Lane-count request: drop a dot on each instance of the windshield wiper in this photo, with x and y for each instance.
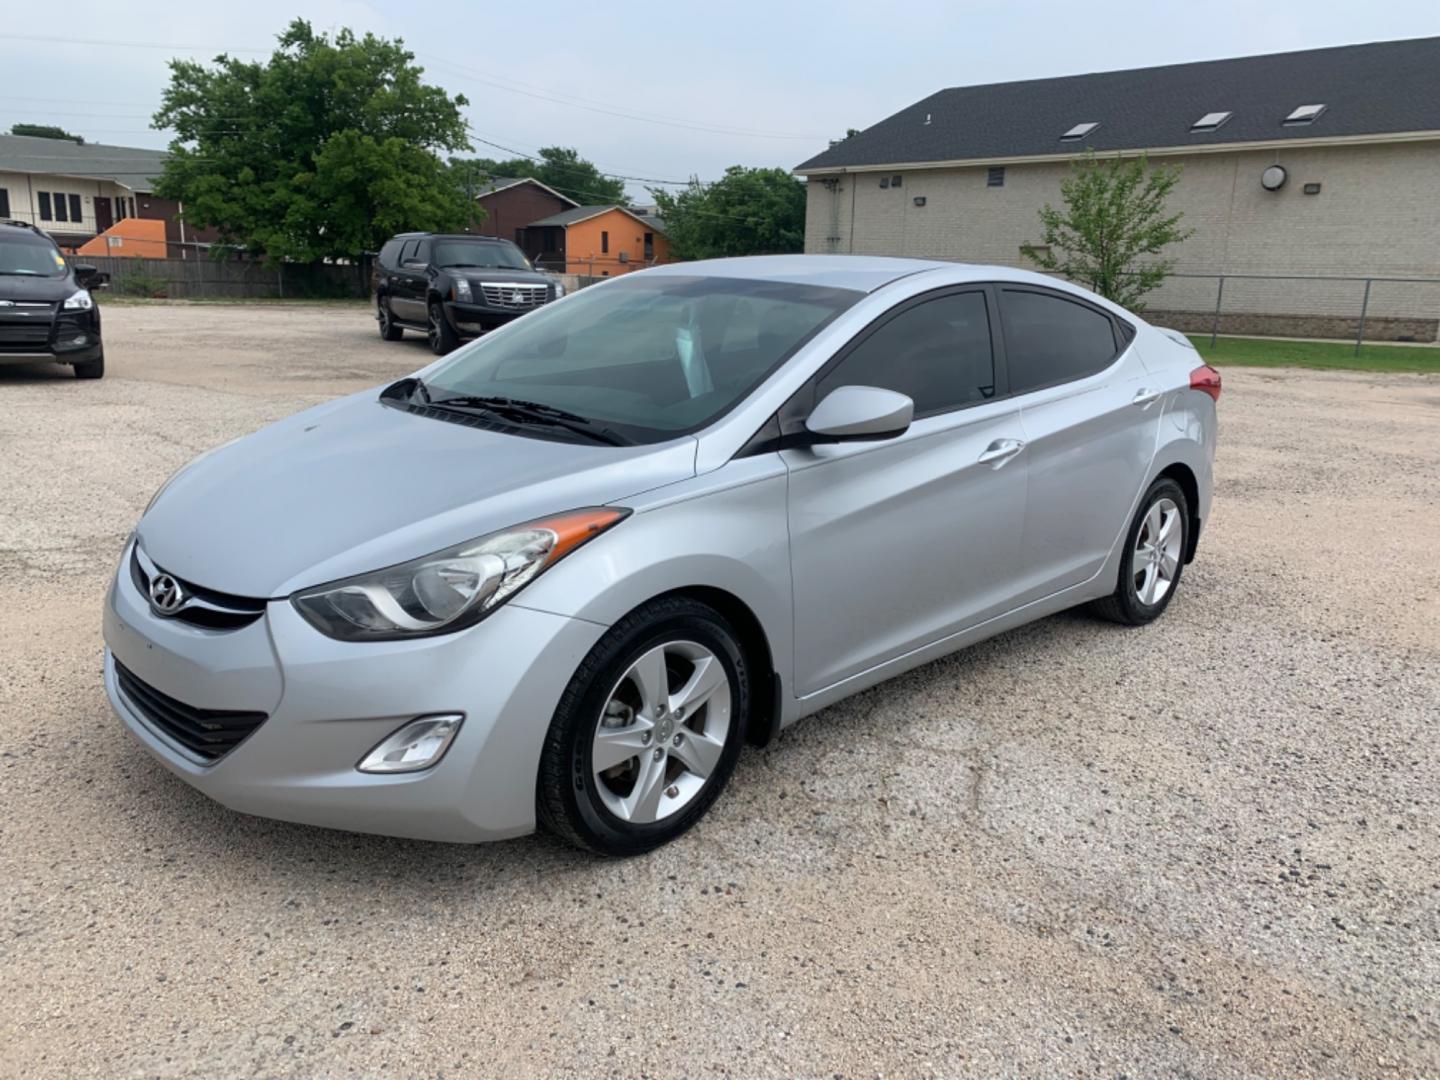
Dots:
(536, 413)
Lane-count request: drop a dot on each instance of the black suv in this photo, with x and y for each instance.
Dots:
(455, 286)
(46, 310)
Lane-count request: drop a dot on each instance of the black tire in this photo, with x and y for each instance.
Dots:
(389, 330)
(568, 803)
(443, 338)
(91, 369)
(1124, 605)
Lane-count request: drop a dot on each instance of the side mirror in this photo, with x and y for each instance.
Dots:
(858, 413)
(85, 274)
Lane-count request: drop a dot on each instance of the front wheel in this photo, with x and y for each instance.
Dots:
(1154, 557)
(443, 338)
(91, 369)
(647, 732)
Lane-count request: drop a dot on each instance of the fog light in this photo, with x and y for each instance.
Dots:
(414, 746)
(79, 339)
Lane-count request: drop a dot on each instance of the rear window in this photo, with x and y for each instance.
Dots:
(24, 255)
(1050, 340)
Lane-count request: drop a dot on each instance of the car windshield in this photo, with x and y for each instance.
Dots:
(488, 254)
(651, 357)
(25, 257)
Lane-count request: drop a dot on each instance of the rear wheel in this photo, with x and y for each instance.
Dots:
(648, 731)
(1154, 557)
(443, 338)
(389, 329)
(91, 369)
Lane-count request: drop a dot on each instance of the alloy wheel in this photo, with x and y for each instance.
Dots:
(1156, 558)
(662, 732)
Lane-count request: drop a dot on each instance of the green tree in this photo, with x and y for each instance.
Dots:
(745, 212)
(1114, 218)
(558, 167)
(45, 131)
(324, 150)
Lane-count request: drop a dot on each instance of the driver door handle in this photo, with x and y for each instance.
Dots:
(1000, 451)
(1145, 397)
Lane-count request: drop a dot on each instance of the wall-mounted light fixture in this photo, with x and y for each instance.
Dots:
(919, 200)
(1273, 178)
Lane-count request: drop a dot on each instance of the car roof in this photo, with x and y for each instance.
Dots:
(862, 273)
(450, 236)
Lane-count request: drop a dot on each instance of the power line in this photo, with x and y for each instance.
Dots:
(513, 86)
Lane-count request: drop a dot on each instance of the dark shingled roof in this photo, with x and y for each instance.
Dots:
(1384, 87)
(581, 213)
(131, 166)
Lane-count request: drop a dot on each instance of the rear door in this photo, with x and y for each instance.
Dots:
(897, 543)
(1091, 418)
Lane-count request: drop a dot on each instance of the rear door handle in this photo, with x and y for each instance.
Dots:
(1000, 451)
(1145, 398)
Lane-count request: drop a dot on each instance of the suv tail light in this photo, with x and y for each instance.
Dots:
(1207, 380)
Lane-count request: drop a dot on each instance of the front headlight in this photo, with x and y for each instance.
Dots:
(80, 301)
(451, 589)
(461, 291)
(559, 289)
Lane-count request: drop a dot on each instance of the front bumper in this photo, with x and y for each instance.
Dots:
(477, 318)
(330, 702)
(73, 337)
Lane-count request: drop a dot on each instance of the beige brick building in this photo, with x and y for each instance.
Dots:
(1359, 195)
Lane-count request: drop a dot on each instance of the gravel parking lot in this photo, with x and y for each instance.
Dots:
(1207, 848)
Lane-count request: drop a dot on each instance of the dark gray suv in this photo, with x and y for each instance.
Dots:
(455, 286)
(46, 310)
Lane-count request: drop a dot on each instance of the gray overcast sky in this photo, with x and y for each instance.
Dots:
(756, 69)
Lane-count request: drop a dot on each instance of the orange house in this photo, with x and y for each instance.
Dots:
(134, 237)
(597, 241)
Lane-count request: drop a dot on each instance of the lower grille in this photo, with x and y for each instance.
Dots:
(207, 733)
(514, 297)
(25, 336)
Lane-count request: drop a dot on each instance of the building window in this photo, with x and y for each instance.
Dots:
(995, 177)
(44, 197)
(604, 243)
(649, 246)
(895, 181)
(4, 203)
(60, 212)
(75, 212)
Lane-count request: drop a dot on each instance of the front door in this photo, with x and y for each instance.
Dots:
(1091, 422)
(897, 543)
(409, 298)
(104, 216)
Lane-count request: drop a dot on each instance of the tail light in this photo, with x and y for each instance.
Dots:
(1207, 380)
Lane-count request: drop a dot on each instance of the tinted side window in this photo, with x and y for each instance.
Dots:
(937, 353)
(1049, 340)
(407, 254)
(390, 253)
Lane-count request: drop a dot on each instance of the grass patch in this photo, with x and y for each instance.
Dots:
(1270, 352)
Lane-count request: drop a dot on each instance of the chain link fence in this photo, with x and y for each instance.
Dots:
(210, 279)
(1356, 309)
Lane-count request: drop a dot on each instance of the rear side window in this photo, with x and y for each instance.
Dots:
(936, 353)
(390, 253)
(1050, 340)
(409, 252)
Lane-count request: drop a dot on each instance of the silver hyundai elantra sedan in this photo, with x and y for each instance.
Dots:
(562, 575)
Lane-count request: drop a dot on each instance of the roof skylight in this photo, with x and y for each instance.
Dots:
(1304, 114)
(1079, 131)
(1210, 121)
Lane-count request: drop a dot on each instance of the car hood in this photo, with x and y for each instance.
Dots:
(356, 485)
(33, 289)
(528, 277)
